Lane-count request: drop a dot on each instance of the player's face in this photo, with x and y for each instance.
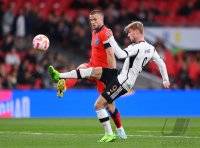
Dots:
(132, 34)
(96, 21)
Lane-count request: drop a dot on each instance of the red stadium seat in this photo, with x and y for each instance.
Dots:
(180, 20)
(7, 3)
(152, 68)
(170, 63)
(2, 54)
(163, 20)
(174, 6)
(85, 12)
(37, 84)
(194, 70)
(7, 68)
(61, 6)
(32, 67)
(194, 18)
(22, 55)
(161, 6)
(132, 5)
(196, 14)
(71, 13)
(24, 86)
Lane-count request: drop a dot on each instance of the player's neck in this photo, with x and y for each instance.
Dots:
(141, 39)
(99, 28)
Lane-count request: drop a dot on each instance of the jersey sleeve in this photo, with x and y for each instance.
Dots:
(162, 67)
(104, 38)
(122, 54)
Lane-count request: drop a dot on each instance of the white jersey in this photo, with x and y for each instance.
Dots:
(136, 57)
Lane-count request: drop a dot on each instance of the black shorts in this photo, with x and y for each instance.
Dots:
(108, 75)
(113, 88)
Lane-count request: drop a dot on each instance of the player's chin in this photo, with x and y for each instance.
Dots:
(94, 28)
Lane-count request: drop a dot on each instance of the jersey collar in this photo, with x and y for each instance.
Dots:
(140, 41)
(100, 28)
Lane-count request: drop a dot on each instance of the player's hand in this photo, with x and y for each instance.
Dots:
(109, 33)
(166, 84)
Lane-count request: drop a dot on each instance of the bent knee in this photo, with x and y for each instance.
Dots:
(82, 66)
(96, 72)
(110, 108)
(97, 106)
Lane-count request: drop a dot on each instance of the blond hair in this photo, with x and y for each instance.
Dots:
(136, 25)
(96, 11)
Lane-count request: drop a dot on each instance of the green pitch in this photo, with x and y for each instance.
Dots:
(84, 132)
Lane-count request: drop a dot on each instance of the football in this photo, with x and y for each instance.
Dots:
(40, 42)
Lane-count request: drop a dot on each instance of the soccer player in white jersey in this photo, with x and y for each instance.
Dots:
(136, 56)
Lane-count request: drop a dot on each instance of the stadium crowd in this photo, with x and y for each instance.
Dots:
(67, 26)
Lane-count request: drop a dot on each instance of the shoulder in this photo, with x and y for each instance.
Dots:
(140, 45)
(102, 33)
(134, 45)
(103, 30)
(150, 46)
(145, 45)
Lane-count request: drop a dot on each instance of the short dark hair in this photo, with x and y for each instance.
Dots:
(96, 11)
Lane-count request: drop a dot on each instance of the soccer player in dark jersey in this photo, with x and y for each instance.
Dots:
(102, 56)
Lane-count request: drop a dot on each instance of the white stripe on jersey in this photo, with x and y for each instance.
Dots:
(116, 92)
(136, 57)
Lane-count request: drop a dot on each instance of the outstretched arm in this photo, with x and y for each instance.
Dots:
(120, 53)
(163, 70)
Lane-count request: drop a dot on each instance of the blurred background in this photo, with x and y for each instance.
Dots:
(173, 27)
(67, 26)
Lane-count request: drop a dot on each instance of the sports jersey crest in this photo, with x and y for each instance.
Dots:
(96, 42)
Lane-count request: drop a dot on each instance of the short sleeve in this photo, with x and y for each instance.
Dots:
(104, 39)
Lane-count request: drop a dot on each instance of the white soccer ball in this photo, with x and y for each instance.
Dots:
(40, 42)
